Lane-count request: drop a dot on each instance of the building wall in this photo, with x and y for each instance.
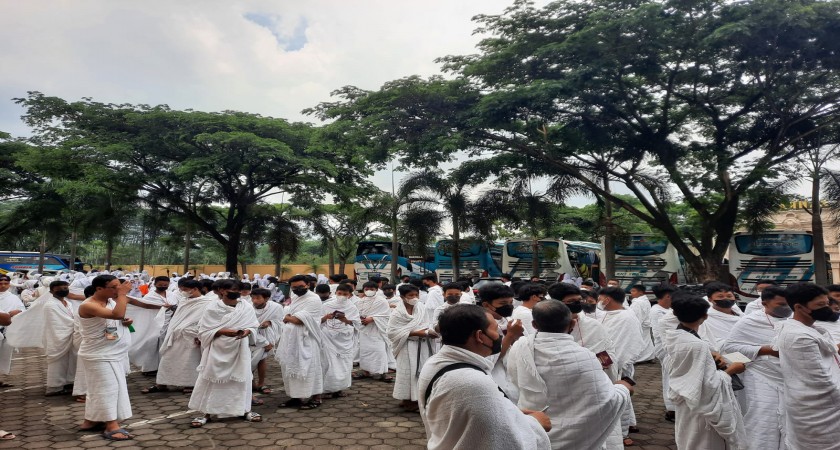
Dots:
(797, 218)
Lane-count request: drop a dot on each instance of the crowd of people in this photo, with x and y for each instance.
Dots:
(522, 364)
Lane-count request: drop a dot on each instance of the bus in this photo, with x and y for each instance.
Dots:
(648, 260)
(373, 259)
(585, 258)
(786, 257)
(14, 261)
(476, 259)
(553, 259)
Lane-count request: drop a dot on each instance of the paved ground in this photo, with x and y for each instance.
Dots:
(368, 418)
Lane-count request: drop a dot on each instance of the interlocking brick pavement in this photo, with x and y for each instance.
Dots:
(368, 419)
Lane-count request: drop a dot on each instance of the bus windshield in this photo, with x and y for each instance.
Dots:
(642, 246)
(525, 249)
(774, 244)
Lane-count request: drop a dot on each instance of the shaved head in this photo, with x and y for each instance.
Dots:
(552, 316)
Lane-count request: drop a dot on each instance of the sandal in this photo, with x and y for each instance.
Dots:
(292, 403)
(81, 399)
(628, 442)
(109, 435)
(150, 373)
(187, 390)
(154, 389)
(199, 422)
(670, 416)
(633, 429)
(6, 436)
(360, 376)
(252, 417)
(57, 393)
(340, 394)
(3, 384)
(310, 405)
(386, 379)
(256, 402)
(261, 389)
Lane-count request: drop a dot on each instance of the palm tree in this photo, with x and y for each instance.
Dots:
(283, 237)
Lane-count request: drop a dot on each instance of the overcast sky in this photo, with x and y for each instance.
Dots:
(272, 57)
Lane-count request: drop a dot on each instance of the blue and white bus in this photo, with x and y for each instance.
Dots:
(786, 257)
(585, 257)
(648, 260)
(553, 259)
(476, 259)
(373, 259)
(13, 261)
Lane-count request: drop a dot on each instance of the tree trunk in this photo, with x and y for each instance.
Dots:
(187, 246)
(394, 250)
(142, 244)
(74, 240)
(331, 249)
(41, 251)
(456, 249)
(109, 252)
(244, 266)
(608, 251)
(278, 266)
(820, 269)
(232, 254)
(535, 257)
(341, 266)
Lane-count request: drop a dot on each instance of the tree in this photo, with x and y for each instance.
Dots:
(188, 162)
(341, 226)
(283, 236)
(696, 100)
(814, 162)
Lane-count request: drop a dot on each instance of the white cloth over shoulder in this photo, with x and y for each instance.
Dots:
(299, 351)
(339, 342)
(552, 371)
(373, 337)
(811, 374)
(708, 415)
(146, 339)
(179, 354)
(467, 411)
(721, 323)
(625, 331)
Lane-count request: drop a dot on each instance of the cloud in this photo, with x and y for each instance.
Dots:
(291, 37)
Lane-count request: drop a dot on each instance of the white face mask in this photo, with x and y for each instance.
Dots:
(411, 301)
(601, 306)
(370, 293)
(341, 298)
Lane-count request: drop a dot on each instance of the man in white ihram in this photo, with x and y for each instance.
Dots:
(810, 370)
(299, 350)
(460, 404)
(12, 305)
(556, 375)
(764, 403)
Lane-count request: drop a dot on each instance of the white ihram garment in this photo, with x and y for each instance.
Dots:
(103, 361)
(641, 307)
(299, 351)
(708, 415)
(8, 302)
(833, 329)
(270, 335)
(590, 334)
(339, 340)
(763, 393)
(147, 324)
(546, 368)
(224, 376)
(625, 331)
(373, 337)
(466, 410)
(721, 323)
(656, 313)
(411, 352)
(58, 343)
(179, 354)
(811, 374)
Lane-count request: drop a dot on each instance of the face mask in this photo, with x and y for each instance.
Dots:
(184, 294)
(388, 294)
(781, 311)
(411, 301)
(370, 293)
(452, 299)
(341, 298)
(62, 292)
(601, 306)
(300, 292)
(232, 295)
(724, 303)
(575, 307)
(160, 289)
(496, 347)
(824, 314)
(505, 311)
(589, 308)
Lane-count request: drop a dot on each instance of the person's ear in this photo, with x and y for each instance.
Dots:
(534, 324)
(572, 325)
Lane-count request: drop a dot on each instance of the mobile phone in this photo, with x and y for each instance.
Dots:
(628, 380)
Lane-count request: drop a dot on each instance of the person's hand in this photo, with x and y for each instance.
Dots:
(14, 312)
(286, 318)
(432, 333)
(736, 368)
(242, 334)
(328, 317)
(265, 324)
(627, 385)
(124, 288)
(768, 351)
(515, 329)
(126, 321)
(719, 362)
(367, 320)
(541, 417)
(197, 342)
(268, 347)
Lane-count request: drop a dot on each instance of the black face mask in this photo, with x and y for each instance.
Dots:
(232, 295)
(505, 311)
(62, 292)
(589, 308)
(452, 299)
(724, 303)
(160, 289)
(824, 314)
(496, 347)
(575, 307)
(300, 291)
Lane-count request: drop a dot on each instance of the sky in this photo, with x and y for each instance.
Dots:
(272, 57)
